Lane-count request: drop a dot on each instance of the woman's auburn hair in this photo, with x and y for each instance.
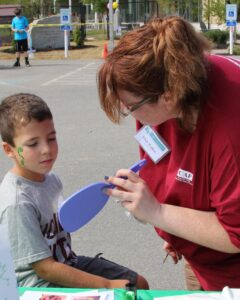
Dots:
(163, 55)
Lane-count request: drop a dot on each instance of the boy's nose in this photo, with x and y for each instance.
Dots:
(45, 148)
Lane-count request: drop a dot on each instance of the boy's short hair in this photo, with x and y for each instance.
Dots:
(17, 11)
(18, 110)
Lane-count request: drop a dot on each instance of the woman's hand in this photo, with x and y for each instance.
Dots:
(134, 195)
(176, 256)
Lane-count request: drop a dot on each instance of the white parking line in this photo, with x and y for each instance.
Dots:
(67, 74)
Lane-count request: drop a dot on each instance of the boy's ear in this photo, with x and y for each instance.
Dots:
(8, 149)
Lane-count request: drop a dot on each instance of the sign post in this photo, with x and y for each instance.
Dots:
(65, 43)
(65, 18)
(111, 34)
(231, 21)
(70, 7)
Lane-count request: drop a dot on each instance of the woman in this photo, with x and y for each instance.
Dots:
(162, 75)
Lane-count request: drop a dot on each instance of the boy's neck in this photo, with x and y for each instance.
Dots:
(22, 172)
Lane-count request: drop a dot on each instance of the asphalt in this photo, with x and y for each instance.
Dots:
(90, 148)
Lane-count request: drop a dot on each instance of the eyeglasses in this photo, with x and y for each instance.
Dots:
(127, 111)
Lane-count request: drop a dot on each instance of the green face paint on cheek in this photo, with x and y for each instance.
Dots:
(20, 151)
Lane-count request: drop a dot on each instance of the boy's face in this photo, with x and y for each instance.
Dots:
(35, 149)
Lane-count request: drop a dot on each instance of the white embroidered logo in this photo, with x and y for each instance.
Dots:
(184, 176)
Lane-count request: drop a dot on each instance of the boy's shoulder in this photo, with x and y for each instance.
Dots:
(14, 19)
(53, 177)
(19, 19)
(8, 191)
(14, 188)
(24, 18)
(11, 179)
(11, 186)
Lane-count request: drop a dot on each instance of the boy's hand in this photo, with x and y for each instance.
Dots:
(117, 284)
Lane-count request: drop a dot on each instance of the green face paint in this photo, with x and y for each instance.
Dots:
(20, 151)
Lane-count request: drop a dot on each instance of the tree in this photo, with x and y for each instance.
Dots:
(41, 8)
(214, 8)
(217, 8)
(99, 6)
(166, 6)
(219, 11)
(189, 9)
(65, 3)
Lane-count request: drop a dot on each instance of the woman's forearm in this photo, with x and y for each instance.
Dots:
(199, 227)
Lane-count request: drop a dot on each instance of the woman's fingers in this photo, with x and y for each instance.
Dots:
(126, 173)
(133, 194)
(176, 256)
(121, 195)
(124, 180)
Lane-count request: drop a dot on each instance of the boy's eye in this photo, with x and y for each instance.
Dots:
(53, 138)
(32, 145)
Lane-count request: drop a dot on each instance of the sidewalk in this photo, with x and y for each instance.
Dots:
(220, 51)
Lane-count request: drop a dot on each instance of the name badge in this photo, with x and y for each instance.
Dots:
(152, 143)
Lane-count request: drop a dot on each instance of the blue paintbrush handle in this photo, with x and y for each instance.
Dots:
(135, 168)
(138, 166)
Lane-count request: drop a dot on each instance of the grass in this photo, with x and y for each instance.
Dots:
(92, 49)
(5, 36)
(97, 34)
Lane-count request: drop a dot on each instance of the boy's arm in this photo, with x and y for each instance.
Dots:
(67, 276)
(26, 24)
(14, 29)
(13, 26)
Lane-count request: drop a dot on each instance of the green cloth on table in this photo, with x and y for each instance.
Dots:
(118, 293)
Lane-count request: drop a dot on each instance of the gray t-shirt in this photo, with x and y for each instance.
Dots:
(30, 211)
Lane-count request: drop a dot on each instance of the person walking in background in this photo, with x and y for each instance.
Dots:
(30, 194)
(164, 76)
(20, 28)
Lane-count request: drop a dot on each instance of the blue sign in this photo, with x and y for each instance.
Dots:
(66, 27)
(231, 12)
(65, 18)
(231, 23)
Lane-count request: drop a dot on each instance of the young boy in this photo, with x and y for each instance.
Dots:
(29, 198)
(20, 27)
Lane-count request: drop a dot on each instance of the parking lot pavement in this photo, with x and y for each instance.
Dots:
(49, 73)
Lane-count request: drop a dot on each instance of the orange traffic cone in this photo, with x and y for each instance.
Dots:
(105, 51)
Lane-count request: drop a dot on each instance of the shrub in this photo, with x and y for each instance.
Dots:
(236, 50)
(78, 36)
(217, 36)
(13, 46)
